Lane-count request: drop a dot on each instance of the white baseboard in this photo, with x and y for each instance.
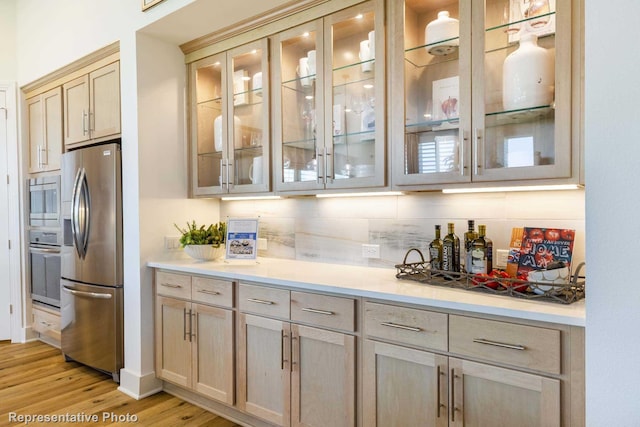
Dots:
(139, 387)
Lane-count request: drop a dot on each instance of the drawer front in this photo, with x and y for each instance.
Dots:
(212, 291)
(173, 285)
(46, 323)
(323, 310)
(529, 347)
(410, 326)
(264, 300)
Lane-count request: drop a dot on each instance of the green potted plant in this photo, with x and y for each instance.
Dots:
(203, 243)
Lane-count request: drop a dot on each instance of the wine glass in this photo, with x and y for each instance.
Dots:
(536, 11)
(511, 18)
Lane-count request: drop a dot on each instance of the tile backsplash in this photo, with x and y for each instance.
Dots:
(333, 230)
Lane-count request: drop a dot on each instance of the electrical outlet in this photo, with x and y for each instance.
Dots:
(262, 244)
(171, 242)
(501, 258)
(370, 251)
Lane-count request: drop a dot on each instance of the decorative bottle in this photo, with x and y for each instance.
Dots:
(435, 251)
(481, 253)
(451, 250)
(469, 237)
(528, 75)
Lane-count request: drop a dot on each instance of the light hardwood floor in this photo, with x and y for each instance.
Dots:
(35, 380)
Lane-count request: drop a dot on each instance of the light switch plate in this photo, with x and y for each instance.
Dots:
(370, 251)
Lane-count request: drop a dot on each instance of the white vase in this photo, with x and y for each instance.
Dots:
(441, 35)
(528, 75)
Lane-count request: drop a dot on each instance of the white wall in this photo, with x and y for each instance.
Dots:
(8, 58)
(612, 203)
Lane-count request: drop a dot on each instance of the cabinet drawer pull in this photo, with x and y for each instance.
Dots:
(260, 301)
(170, 285)
(208, 292)
(406, 328)
(499, 344)
(316, 311)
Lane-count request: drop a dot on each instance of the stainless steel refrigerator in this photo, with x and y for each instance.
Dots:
(91, 268)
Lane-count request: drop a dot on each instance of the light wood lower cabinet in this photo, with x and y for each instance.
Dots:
(194, 342)
(404, 385)
(46, 322)
(291, 374)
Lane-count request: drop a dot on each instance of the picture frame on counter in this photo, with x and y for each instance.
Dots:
(242, 239)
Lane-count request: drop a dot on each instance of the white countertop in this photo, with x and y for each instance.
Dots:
(377, 283)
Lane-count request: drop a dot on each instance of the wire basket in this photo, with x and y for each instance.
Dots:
(565, 293)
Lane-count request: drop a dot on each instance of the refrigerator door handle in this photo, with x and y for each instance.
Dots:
(95, 295)
(85, 200)
(80, 213)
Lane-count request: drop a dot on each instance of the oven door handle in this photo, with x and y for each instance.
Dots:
(43, 250)
(95, 295)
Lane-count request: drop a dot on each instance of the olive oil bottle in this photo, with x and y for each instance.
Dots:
(451, 250)
(469, 237)
(435, 251)
(481, 253)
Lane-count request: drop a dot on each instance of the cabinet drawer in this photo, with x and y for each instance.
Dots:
(173, 285)
(46, 323)
(526, 346)
(410, 326)
(323, 310)
(264, 300)
(212, 291)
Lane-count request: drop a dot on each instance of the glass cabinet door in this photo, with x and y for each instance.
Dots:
(431, 48)
(354, 98)
(523, 60)
(298, 100)
(209, 128)
(247, 168)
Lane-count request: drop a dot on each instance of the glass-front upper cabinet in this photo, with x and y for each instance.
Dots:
(299, 106)
(330, 102)
(522, 61)
(432, 68)
(230, 143)
(208, 94)
(487, 92)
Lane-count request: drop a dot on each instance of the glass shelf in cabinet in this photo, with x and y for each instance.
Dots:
(432, 126)
(214, 104)
(420, 58)
(293, 83)
(216, 154)
(254, 150)
(355, 72)
(525, 115)
(504, 26)
(307, 144)
(365, 137)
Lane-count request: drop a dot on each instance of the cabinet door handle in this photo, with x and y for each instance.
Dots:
(438, 404)
(208, 292)
(316, 311)
(295, 351)
(397, 326)
(170, 285)
(465, 141)
(44, 161)
(320, 178)
(328, 175)
(499, 344)
(477, 147)
(283, 338)
(184, 324)
(222, 176)
(84, 122)
(192, 323)
(229, 174)
(260, 301)
(453, 395)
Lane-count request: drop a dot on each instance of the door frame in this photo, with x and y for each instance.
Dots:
(15, 206)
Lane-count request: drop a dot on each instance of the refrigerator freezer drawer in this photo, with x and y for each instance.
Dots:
(92, 325)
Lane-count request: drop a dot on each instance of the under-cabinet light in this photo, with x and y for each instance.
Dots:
(521, 188)
(231, 198)
(384, 193)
